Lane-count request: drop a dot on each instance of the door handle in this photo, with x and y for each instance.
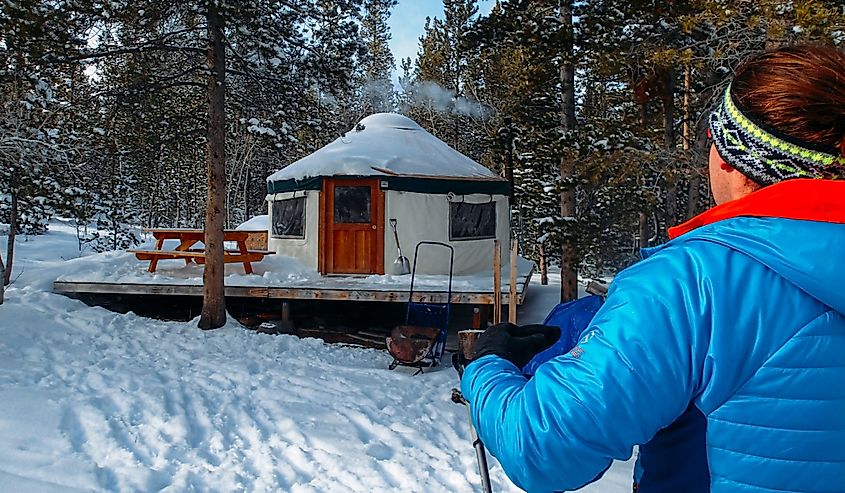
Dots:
(374, 226)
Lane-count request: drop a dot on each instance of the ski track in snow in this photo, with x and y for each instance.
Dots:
(92, 400)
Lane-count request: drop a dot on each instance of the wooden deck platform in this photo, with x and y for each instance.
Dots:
(326, 288)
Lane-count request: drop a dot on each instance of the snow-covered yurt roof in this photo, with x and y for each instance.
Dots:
(394, 147)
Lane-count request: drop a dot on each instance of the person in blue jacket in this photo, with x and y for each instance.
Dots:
(738, 319)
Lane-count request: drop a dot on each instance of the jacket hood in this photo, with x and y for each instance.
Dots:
(796, 228)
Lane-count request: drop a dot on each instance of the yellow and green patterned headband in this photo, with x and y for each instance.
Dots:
(764, 155)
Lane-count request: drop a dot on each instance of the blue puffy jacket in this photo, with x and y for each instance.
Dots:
(742, 318)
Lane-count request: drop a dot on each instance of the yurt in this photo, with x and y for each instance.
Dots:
(332, 209)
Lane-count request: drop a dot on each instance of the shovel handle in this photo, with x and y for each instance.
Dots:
(396, 236)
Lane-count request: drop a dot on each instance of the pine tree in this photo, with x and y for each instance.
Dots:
(377, 60)
(30, 150)
(443, 95)
(153, 47)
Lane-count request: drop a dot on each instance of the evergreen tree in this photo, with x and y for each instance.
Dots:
(255, 37)
(105, 117)
(377, 60)
(443, 93)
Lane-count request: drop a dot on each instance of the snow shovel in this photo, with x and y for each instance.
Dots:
(401, 266)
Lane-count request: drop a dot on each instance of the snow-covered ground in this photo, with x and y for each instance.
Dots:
(92, 400)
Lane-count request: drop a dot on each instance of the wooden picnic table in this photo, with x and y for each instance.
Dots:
(190, 237)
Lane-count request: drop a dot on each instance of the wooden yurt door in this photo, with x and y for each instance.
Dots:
(352, 227)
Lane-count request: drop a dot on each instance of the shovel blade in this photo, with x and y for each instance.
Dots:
(401, 266)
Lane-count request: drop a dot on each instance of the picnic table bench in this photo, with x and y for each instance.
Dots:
(190, 237)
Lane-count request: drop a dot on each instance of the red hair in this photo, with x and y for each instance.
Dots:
(799, 91)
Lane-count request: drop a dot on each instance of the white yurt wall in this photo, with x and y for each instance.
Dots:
(304, 249)
(424, 217)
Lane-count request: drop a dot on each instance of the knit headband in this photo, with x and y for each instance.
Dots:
(764, 154)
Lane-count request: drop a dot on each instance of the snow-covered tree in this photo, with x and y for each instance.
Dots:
(377, 61)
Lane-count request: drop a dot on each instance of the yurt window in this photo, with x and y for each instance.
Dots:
(352, 204)
(289, 218)
(472, 221)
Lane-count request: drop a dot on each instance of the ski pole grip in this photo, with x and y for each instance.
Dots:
(466, 340)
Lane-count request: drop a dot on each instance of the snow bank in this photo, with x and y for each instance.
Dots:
(257, 223)
(99, 401)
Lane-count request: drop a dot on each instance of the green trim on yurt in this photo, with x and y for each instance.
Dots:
(402, 183)
(315, 183)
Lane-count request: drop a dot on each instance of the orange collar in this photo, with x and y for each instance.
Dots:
(804, 199)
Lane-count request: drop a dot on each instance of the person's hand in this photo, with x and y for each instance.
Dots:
(514, 343)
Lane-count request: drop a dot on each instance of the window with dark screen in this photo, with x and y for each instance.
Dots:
(472, 221)
(352, 204)
(289, 218)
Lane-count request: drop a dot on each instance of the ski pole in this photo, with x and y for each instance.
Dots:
(477, 444)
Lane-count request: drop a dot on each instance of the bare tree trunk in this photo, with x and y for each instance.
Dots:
(2, 285)
(10, 245)
(643, 222)
(669, 143)
(544, 265)
(159, 176)
(694, 194)
(2, 265)
(695, 176)
(247, 212)
(509, 164)
(568, 259)
(214, 300)
(455, 132)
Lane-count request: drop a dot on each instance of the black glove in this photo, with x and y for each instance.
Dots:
(514, 343)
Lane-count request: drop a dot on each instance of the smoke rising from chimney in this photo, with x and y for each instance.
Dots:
(432, 95)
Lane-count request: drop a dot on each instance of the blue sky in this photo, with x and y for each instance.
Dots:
(407, 21)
